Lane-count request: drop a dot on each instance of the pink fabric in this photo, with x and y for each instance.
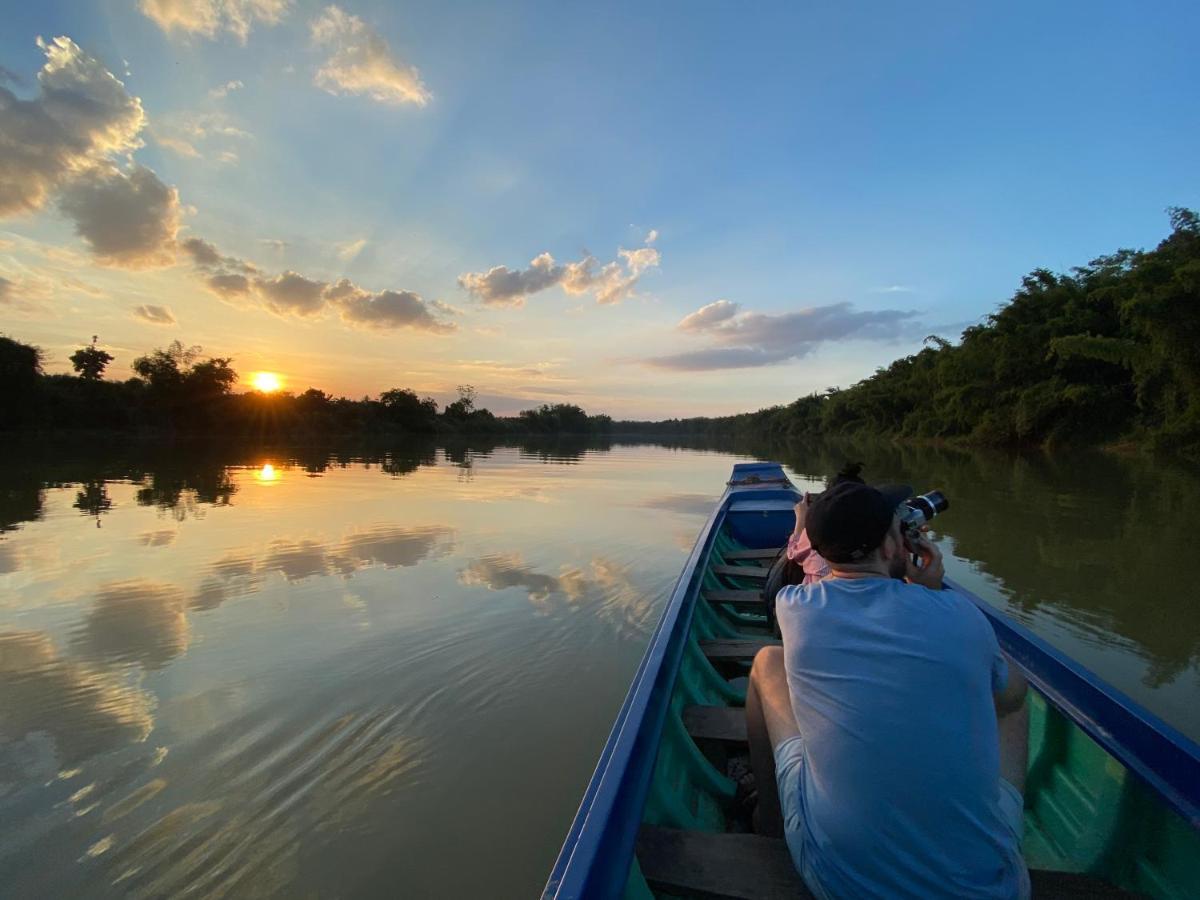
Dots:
(800, 550)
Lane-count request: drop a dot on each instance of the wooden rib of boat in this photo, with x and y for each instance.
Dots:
(1112, 801)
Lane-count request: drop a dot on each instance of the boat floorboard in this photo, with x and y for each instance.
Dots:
(759, 572)
(716, 723)
(768, 553)
(733, 649)
(737, 598)
(749, 867)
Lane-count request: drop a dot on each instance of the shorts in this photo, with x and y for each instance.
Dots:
(789, 778)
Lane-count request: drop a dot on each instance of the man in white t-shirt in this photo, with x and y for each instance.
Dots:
(888, 734)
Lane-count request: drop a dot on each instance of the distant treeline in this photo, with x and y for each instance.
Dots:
(1107, 353)
(178, 391)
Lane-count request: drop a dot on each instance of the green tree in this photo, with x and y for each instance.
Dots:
(90, 362)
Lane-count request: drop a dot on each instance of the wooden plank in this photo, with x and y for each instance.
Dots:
(759, 572)
(750, 867)
(737, 598)
(768, 553)
(1074, 886)
(716, 723)
(726, 649)
(717, 866)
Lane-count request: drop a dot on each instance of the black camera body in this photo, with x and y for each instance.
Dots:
(916, 512)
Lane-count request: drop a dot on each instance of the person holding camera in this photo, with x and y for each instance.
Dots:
(888, 735)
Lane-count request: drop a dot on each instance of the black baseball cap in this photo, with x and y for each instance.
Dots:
(848, 521)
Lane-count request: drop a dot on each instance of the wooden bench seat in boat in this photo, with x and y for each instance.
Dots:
(750, 867)
(752, 599)
(735, 649)
(759, 572)
(769, 553)
(716, 723)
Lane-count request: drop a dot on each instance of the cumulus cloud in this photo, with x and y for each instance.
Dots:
(127, 219)
(222, 91)
(210, 17)
(361, 62)
(348, 250)
(82, 115)
(386, 309)
(292, 293)
(65, 143)
(608, 283)
(155, 315)
(747, 339)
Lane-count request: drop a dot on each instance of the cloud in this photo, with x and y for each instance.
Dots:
(6, 289)
(228, 286)
(136, 621)
(652, 236)
(748, 339)
(64, 145)
(208, 17)
(350, 249)
(127, 219)
(155, 315)
(361, 61)
(610, 283)
(707, 316)
(292, 293)
(177, 145)
(224, 90)
(387, 309)
(81, 117)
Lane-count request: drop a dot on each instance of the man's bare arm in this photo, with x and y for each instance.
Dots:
(1012, 697)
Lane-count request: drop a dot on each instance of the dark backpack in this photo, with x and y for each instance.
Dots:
(781, 573)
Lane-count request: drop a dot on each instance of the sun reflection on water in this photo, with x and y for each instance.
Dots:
(267, 474)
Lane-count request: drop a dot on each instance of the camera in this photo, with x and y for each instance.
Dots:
(915, 512)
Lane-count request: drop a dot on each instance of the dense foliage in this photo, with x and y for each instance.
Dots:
(180, 391)
(1108, 352)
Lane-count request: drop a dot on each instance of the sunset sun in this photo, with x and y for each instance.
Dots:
(267, 382)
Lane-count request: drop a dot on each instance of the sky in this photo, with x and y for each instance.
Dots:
(648, 210)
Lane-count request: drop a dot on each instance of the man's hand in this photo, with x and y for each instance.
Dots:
(931, 570)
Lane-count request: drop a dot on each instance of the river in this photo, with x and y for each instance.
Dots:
(361, 672)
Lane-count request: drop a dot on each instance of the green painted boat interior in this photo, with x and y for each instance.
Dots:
(1084, 812)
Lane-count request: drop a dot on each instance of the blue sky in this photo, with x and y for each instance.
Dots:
(832, 184)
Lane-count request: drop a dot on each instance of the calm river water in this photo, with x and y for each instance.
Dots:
(315, 673)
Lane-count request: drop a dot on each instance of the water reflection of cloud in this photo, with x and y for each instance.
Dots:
(684, 504)
(602, 583)
(84, 711)
(9, 561)
(136, 621)
(390, 546)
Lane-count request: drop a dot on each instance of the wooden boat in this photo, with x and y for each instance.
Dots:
(1112, 802)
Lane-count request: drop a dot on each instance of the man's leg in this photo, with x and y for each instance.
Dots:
(769, 722)
(1014, 746)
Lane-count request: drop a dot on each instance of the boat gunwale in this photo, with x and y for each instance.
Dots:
(572, 874)
(1163, 758)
